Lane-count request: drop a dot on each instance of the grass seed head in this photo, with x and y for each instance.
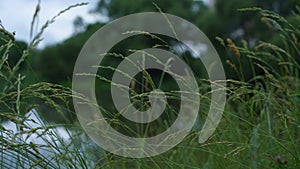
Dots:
(233, 48)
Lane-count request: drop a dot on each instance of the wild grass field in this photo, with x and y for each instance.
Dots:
(259, 128)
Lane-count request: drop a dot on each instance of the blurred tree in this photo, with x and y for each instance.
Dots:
(224, 21)
(188, 9)
(55, 63)
(79, 24)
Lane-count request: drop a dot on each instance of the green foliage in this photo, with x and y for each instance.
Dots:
(260, 125)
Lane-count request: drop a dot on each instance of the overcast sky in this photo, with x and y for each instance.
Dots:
(16, 15)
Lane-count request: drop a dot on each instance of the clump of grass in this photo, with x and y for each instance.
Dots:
(28, 141)
(260, 124)
(259, 128)
(267, 106)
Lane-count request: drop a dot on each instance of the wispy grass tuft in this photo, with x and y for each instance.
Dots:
(27, 139)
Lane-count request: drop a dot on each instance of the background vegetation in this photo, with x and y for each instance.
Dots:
(258, 42)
